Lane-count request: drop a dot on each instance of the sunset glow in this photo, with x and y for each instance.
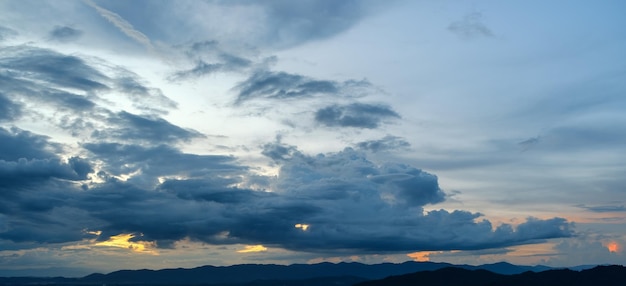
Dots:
(253, 248)
(123, 241)
(613, 247)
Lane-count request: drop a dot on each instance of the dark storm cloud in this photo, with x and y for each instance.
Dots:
(65, 33)
(23, 170)
(26, 158)
(351, 204)
(265, 84)
(151, 129)
(471, 27)
(219, 190)
(36, 187)
(387, 143)
(359, 115)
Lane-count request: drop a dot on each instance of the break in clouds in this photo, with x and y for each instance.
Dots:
(130, 175)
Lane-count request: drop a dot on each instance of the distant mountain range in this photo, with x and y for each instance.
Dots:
(410, 273)
(613, 275)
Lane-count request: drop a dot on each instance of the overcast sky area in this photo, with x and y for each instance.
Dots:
(163, 134)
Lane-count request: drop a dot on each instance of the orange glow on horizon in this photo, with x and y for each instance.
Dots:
(420, 256)
(613, 247)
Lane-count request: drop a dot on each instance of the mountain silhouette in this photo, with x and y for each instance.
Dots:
(601, 275)
(340, 274)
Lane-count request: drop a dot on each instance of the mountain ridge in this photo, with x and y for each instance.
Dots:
(263, 274)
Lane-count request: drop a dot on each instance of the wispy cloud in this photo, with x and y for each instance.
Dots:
(123, 25)
(471, 27)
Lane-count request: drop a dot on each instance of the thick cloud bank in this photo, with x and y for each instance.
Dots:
(347, 202)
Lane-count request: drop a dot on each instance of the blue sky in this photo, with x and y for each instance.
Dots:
(159, 134)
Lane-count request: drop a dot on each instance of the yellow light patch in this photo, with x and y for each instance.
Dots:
(123, 241)
(302, 226)
(96, 233)
(253, 248)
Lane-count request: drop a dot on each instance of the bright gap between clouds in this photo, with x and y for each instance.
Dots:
(123, 241)
(252, 248)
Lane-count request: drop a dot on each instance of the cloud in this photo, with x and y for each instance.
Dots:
(78, 90)
(387, 143)
(24, 170)
(51, 67)
(281, 85)
(471, 27)
(286, 23)
(359, 115)
(6, 33)
(604, 208)
(36, 187)
(225, 63)
(65, 33)
(123, 25)
(130, 127)
(19, 144)
(159, 161)
(348, 203)
(8, 109)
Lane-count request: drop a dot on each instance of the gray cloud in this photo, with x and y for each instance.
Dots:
(19, 144)
(341, 196)
(72, 87)
(265, 84)
(225, 63)
(359, 115)
(281, 85)
(471, 27)
(36, 187)
(8, 109)
(130, 127)
(65, 33)
(209, 58)
(604, 208)
(52, 67)
(387, 143)
(161, 160)
(6, 33)
(288, 23)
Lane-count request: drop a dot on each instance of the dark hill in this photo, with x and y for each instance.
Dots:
(601, 275)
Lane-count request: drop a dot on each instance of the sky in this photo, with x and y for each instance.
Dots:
(163, 134)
